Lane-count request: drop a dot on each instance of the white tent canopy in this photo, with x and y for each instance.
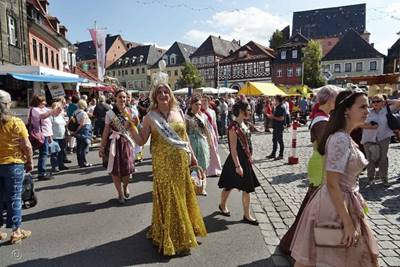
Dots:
(226, 90)
(207, 90)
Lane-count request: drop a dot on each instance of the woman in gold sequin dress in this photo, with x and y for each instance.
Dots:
(176, 217)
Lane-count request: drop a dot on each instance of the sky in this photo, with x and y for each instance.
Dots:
(163, 22)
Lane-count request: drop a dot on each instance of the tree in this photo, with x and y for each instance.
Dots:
(190, 77)
(277, 39)
(312, 73)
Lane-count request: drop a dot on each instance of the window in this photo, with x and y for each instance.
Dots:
(298, 71)
(57, 62)
(290, 72)
(359, 66)
(347, 67)
(142, 84)
(41, 52)
(52, 59)
(294, 54)
(176, 73)
(113, 73)
(194, 60)
(119, 72)
(34, 48)
(12, 31)
(137, 71)
(132, 71)
(337, 68)
(126, 72)
(202, 60)
(210, 59)
(46, 55)
(143, 71)
(283, 54)
(327, 68)
(165, 58)
(279, 73)
(372, 65)
(172, 59)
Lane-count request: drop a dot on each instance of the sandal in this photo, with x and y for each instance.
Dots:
(126, 193)
(3, 236)
(18, 238)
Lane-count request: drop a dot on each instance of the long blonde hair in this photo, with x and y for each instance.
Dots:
(173, 103)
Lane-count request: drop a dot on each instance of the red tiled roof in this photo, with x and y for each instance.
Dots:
(85, 74)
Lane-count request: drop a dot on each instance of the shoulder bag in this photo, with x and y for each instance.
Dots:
(36, 136)
(393, 119)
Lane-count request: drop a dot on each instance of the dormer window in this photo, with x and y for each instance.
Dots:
(165, 58)
(126, 60)
(141, 57)
(172, 59)
(294, 53)
(133, 60)
(283, 54)
(119, 61)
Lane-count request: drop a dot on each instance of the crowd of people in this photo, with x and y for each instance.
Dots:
(349, 133)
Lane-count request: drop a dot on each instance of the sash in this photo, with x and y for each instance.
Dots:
(243, 139)
(167, 132)
(120, 127)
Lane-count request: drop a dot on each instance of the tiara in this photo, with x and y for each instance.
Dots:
(160, 77)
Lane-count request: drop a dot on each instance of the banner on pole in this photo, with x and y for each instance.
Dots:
(99, 41)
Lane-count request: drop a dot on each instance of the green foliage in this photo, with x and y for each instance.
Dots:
(312, 56)
(190, 77)
(276, 40)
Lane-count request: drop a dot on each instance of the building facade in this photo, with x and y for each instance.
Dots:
(353, 56)
(392, 61)
(288, 66)
(48, 43)
(175, 57)
(13, 33)
(206, 58)
(251, 62)
(330, 22)
(132, 68)
(86, 53)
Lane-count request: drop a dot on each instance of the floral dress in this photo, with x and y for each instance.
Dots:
(342, 156)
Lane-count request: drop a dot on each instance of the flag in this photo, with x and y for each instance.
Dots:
(99, 41)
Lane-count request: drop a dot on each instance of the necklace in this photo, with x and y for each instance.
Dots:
(163, 114)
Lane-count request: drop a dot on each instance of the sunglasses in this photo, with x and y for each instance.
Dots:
(376, 101)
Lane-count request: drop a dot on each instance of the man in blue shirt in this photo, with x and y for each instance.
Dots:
(278, 125)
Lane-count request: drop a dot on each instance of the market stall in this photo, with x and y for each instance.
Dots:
(259, 88)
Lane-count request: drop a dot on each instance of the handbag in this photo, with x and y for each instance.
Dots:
(329, 236)
(198, 179)
(36, 136)
(393, 119)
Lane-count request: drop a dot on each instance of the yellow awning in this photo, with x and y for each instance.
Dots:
(258, 88)
(302, 90)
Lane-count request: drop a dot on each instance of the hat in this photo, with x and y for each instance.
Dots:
(5, 97)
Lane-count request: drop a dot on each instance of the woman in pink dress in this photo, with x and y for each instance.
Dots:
(338, 202)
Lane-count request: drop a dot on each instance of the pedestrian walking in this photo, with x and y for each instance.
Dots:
(176, 219)
(267, 111)
(199, 136)
(376, 137)
(338, 207)
(15, 158)
(214, 168)
(99, 114)
(39, 118)
(237, 172)
(83, 134)
(117, 146)
(326, 98)
(278, 125)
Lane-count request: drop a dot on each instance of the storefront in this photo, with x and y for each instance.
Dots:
(24, 81)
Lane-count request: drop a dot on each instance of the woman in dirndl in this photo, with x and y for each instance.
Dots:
(117, 147)
(326, 103)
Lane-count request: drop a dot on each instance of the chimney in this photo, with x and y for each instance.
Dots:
(108, 35)
(372, 44)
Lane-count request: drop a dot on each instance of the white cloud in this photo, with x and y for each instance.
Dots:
(394, 9)
(245, 25)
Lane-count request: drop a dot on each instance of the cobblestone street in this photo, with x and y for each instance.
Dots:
(277, 201)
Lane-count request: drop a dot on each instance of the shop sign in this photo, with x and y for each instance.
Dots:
(56, 90)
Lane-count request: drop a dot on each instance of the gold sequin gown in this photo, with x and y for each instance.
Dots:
(176, 218)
